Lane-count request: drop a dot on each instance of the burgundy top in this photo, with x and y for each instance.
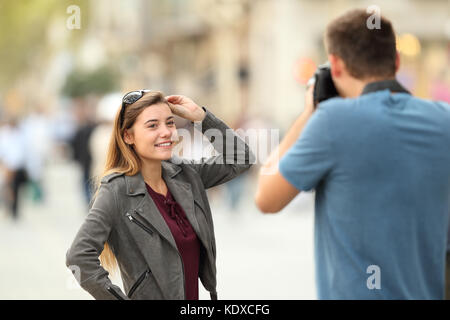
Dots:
(185, 237)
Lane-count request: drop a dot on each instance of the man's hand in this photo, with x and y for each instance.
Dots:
(309, 100)
(186, 108)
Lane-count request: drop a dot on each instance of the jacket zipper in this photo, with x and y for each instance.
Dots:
(114, 293)
(140, 224)
(138, 282)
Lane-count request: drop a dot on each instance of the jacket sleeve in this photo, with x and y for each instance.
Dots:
(234, 156)
(83, 256)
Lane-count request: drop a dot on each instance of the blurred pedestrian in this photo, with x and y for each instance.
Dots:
(235, 189)
(81, 151)
(379, 161)
(101, 134)
(13, 159)
(38, 142)
(151, 215)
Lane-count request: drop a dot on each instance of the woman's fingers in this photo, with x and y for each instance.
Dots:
(185, 107)
(179, 110)
(175, 99)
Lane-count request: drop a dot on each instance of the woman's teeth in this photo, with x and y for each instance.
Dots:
(163, 144)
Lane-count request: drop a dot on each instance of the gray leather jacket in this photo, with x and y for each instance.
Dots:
(124, 215)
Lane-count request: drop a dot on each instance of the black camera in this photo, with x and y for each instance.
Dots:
(323, 84)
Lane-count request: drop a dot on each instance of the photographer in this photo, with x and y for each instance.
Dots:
(379, 161)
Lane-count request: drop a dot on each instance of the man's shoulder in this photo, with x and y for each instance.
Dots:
(436, 111)
(337, 102)
(382, 98)
(337, 110)
(340, 103)
(441, 106)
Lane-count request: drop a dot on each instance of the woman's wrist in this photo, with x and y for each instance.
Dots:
(204, 114)
(202, 117)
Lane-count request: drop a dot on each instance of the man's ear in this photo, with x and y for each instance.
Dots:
(336, 65)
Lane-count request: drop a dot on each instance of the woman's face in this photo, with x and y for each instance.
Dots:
(153, 133)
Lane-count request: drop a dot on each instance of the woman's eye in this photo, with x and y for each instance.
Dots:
(170, 123)
(152, 126)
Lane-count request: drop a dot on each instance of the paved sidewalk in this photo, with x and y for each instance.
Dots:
(258, 256)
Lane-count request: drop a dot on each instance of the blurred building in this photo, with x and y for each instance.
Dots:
(286, 32)
(243, 56)
(234, 56)
(197, 48)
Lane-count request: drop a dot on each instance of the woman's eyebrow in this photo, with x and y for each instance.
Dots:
(156, 120)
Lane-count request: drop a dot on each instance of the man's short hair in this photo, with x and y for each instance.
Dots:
(365, 52)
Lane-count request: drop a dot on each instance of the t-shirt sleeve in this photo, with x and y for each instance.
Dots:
(309, 160)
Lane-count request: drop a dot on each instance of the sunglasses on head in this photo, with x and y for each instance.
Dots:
(130, 98)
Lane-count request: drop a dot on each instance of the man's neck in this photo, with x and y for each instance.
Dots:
(357, 87)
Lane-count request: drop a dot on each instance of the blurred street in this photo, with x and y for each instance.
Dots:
(65, 68)
(259, 256)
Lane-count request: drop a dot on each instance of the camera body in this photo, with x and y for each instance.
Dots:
(323, 84)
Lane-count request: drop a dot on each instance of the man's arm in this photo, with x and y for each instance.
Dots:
(273, 191)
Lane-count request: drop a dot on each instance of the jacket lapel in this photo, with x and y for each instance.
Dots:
(182, 193)
(147, 209)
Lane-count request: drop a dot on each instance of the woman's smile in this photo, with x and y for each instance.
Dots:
(165, 145)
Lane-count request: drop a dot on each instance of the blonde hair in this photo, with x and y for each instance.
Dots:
(122, 158)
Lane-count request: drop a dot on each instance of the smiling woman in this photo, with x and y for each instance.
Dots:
(153, 132)
(150, 215)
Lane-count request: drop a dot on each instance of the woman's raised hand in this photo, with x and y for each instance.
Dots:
(186, 108)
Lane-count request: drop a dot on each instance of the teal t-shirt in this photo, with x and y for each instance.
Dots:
(380, 166)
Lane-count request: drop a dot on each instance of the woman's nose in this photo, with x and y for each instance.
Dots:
(165, 132)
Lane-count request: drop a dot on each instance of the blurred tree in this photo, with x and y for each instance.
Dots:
(100, 81)
(23, 32)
